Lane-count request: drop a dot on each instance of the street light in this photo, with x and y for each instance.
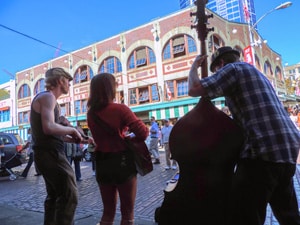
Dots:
(281, 6)
(251, 28)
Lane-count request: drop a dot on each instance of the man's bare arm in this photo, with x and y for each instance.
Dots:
(195, 87)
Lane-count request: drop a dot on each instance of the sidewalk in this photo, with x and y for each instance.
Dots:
(22, 199)
(14, 216)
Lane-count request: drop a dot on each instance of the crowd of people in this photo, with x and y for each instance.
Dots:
(263, 174)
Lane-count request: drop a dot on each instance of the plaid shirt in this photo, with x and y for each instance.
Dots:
(270, 134)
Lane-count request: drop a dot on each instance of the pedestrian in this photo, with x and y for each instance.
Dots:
(91, 150)
(116, 174)
(154, 135)
(48, 138)
(165, 132)
(1, 151)
(71, 150)
(28, 146)
(264, 172)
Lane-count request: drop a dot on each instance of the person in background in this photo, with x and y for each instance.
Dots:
(1, 151)
(28, 146)
(48, 137)
(70, 150)
(116, 173)
(264, 173)
(165, 132)
(91, 150)
(154, 135)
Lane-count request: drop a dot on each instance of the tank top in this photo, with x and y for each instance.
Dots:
(41, 141)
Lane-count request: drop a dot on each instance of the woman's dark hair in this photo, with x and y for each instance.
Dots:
(102, 91)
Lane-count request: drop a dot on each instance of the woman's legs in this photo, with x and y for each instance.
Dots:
(127, 192)
(109, 197)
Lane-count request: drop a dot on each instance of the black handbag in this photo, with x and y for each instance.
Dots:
(142, 157)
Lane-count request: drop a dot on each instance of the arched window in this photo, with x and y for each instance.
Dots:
(111, 65)
(267, 69)
(141, 57)
(179, 46)
(214, 43)
(39, 86)
(278, 73)
(83, 74)
(24, 91)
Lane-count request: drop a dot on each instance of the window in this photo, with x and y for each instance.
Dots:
(132, 97)
(83, 74)
(23, 117)
(141, 57)
(182, 88)
(4, 115)
(65, 109)
(214, 43)
(80, 106)
(278, 74)
(40, 86)
(111, 65)
(267, 69)
(24, 91)
(143, 95)
(179, 46)
(176, 89)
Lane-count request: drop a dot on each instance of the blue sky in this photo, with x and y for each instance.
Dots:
(75, 24)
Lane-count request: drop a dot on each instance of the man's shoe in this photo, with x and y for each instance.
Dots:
(174, 167)
(156, 161)
(167, 167)
(37, 174)
(79, 179)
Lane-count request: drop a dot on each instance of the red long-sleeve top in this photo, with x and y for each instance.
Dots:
(119, 117)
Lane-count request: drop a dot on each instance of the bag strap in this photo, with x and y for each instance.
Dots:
(103, 124)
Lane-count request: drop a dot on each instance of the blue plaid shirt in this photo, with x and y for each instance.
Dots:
(252, 100)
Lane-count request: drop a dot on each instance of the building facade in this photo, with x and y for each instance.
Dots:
(151, 64)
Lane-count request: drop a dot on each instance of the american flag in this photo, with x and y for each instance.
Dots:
(169, 93)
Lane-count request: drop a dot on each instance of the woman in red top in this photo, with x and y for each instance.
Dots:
(115, 168)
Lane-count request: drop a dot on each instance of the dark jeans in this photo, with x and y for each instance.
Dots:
(62, 195)
(77, 167)
(257, 183)
(29, 163)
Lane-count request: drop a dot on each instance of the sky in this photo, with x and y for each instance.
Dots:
(74, 24)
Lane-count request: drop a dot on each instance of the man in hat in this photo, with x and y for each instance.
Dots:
(265, 170)
(48, 137)
(165, 132)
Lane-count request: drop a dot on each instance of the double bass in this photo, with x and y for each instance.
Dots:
(206, 144)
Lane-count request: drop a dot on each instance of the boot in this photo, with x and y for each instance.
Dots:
(156, 161)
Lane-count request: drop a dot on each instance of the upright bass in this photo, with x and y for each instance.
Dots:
(205, 143)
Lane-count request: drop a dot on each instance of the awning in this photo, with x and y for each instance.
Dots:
(177, 111)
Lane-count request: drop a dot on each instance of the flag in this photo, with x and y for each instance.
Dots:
(246, 12)
(169, 93)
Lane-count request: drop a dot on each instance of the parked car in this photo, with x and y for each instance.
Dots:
(13, 144)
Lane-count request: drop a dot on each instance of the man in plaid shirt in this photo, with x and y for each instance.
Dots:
(265, 170)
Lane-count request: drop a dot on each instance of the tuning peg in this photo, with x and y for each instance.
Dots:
(193, 14)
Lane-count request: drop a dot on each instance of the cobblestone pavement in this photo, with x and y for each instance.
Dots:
(29, 194)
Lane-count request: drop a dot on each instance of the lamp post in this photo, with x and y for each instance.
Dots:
(251, 28)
